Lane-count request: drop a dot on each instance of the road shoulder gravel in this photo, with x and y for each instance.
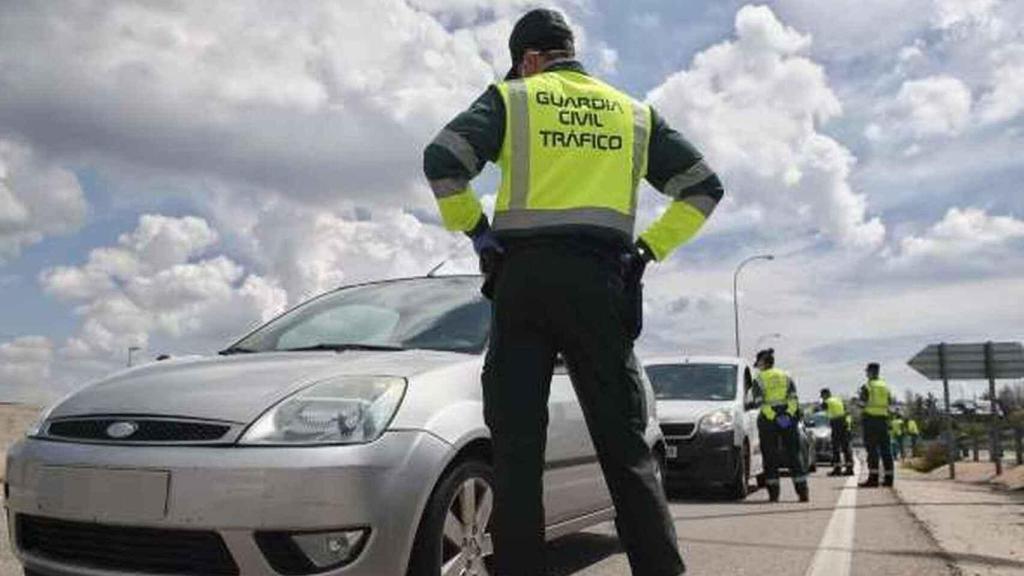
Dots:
(978, 527)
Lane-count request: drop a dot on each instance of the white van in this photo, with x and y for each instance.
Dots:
(709, 419)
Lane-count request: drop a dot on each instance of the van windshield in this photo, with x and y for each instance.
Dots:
(693, 381)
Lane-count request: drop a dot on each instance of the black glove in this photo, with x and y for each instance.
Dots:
(490, 252)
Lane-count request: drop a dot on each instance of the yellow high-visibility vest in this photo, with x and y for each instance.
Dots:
(775, 387)
(896, 426)
(834, 408)
(878, 398)
(574, 152)
(912, 428)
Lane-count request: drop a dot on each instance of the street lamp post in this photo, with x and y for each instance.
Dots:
(735, 290)
(132, 350)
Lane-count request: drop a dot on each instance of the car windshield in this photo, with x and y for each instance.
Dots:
(693, 381)
(816, 419)
(429, 313)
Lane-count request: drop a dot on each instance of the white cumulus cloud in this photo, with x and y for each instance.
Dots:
(754, 105)
(158, 289)
(932, 106)
(319, 101)
(37, 198)
(962, 232)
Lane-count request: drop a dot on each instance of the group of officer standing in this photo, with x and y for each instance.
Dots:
(884, 429)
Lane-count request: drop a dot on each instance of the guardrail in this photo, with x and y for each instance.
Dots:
(1011, 440)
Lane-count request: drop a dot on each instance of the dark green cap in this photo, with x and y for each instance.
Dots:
(538, 29)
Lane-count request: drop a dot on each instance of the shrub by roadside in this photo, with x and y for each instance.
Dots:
(932, 455)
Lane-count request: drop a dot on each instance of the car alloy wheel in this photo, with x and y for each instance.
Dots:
(454, 536)
(466, 543)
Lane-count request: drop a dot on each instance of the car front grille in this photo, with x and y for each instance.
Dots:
(678, 430)
(128, 549)
(146, 430)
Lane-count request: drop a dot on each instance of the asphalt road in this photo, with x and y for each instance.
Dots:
(874, 535)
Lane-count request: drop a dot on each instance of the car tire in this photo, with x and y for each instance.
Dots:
(457, 518)
(738, 487)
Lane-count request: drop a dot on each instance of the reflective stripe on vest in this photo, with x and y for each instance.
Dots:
(834, 408)
(878, 398)
(574, 152)
(775, 386)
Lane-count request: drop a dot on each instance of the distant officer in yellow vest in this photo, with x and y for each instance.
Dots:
(876, 398)
(777, 426)
(913, 432)
(896, 433)
(837, 419)
(564, 273)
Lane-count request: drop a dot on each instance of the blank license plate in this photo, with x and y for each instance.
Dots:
(104, 493)
(671, 452)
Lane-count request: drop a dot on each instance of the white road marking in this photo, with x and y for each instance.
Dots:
(835, 551)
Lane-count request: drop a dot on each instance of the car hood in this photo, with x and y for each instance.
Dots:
(688, 410)
(236, 388)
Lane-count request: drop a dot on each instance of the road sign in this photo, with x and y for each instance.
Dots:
(968, 361)
(985, 361)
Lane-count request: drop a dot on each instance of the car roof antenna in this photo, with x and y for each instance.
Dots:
(433, 271)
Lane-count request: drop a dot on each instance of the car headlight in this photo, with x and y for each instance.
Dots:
(717, 421)
(342, 410)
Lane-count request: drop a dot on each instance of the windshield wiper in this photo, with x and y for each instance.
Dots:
(236, 350)
(342, 347)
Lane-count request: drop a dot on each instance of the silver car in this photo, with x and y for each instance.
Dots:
(344, 437)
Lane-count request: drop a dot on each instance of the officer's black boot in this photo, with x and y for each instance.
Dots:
(848, 471)
(871, 482)
(773, 493)
(803, 492)
(888, 479)
(837, 471)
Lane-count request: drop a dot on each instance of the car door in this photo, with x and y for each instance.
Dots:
(573, 482)
(750, 411)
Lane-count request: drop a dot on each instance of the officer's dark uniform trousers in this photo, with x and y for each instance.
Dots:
(780, 445)
(841, 443)
(552, 298)
(876, 440)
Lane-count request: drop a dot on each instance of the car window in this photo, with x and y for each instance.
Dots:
(693, 381)
(431, 313)
(356, 323)
(816, 419)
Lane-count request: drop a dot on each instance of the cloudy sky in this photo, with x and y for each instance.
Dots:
(172, 173)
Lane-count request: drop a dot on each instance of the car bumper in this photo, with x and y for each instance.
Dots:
(823, 449)
(234, 492)
(702, 459)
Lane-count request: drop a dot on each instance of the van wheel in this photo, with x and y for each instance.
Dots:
(741, 478)
(454, 536)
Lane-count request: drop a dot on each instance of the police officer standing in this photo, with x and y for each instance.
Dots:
(896, 432)
(914, 432)
(563, 272)
(876, 397)
(777, 425)
(837, 419)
